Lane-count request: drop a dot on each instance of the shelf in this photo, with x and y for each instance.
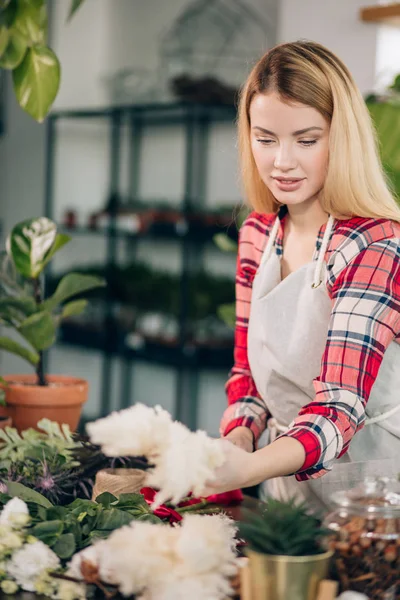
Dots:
(203, 357)
(168, 111)
(160, 230)
(388, 14)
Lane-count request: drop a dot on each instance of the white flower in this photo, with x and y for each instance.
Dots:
(194, 560)
(11, 540)
(45, 584)
(147, 546)
(12, 511)
(69, 590)
(8, 587)
(183, 461)
(92, 555)
(135, 431)
(29, 562)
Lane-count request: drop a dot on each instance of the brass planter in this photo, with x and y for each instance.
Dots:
(286, 577)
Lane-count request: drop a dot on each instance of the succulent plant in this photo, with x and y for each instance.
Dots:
(283, 528)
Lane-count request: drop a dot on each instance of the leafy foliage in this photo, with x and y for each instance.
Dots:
(52, 441)
(283, 528)
(30, 246)
(68, 529)
(58, 464)
(24, 51)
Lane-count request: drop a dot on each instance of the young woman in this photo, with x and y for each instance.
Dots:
(315, 387)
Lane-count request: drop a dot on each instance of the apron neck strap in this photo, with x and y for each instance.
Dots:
(322, 251)
(324, 246)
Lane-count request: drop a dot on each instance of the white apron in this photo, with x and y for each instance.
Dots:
(287, 335)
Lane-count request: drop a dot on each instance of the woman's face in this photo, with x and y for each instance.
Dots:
(290, 144)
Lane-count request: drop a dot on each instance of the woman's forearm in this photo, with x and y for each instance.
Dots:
(283, 457)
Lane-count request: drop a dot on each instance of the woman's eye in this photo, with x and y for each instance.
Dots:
(265, 141)
(308, 142)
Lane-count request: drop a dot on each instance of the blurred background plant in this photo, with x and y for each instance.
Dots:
(24, 51)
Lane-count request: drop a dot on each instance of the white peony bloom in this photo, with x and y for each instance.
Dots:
(28, 563)
(183, 461)
(12, 511)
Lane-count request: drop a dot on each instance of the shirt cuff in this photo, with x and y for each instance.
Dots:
(248, 422)
(312, 448)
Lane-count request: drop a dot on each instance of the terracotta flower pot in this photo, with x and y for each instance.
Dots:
(60, 401)
(5, 422)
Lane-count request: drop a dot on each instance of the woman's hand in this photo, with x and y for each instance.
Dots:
(235, 473)
(242, 437)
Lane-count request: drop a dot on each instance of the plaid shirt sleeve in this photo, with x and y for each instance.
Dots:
(245, 406)
(364, 285)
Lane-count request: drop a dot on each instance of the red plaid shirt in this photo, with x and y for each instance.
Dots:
(363, 282)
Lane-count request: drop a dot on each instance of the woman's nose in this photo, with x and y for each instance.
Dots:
(284, 159)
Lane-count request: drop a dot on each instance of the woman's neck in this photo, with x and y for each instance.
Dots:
(307, 217)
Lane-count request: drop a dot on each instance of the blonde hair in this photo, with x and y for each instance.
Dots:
(306, 72)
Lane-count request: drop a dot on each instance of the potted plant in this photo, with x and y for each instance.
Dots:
(35, 319)
(286, 555)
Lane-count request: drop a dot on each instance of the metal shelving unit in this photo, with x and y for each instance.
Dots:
(183, 357)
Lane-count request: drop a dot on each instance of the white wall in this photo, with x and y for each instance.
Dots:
(388, 56)
(335, 24)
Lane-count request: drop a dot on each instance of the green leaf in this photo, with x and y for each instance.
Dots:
(65, 546)
(76, 307)
(39, 330)
(60, 241)
(2, 394)
(28, 244)
(55, 513)
(106, 499)
(4, 4)
(26, 494)
(132, 502)
(36, 81)
(110, 519)
(15, 51)
(15, 348)
(27, 306)
(225, 243)
(75, 4)
(150, 518)
(31, 20)
(48, 531)
(8, 11)
(71, 285)
(4, 38)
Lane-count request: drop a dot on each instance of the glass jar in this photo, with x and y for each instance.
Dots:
(366, 538)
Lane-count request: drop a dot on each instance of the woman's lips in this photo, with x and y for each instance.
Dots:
(288, 185)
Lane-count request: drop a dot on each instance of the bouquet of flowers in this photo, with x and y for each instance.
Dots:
(180, 461)
(25, 561)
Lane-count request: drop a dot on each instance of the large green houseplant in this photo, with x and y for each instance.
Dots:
(35, 320)
(24, 51)
(287, 558)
